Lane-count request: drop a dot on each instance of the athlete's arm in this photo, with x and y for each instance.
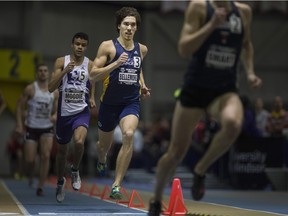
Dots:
(55, 106)
(105, 53)
(145, 91)
(194, 33)
(59, 73)
(247, 49)
(93, 88)
(20, 109)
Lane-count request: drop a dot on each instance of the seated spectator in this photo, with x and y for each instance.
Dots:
(262, 116)
(277, 118)
(203, 133)
(249, 128)
(15, 151)
(156, 139)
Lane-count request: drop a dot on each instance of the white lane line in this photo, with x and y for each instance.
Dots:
(8, 213)
(20, 206)
(246, 209)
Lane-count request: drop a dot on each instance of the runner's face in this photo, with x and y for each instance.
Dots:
(128, 27)
(79, 47)
(43, 73)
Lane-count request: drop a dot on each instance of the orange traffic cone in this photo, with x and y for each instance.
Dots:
(176, 202)
(105, 193)
(125, 199)
(136, 196)
(95, 191)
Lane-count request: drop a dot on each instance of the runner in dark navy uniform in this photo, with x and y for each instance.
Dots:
(213, 36)
(119, 64)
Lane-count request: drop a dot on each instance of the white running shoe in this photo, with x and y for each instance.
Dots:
(75, 180)
(60, 194)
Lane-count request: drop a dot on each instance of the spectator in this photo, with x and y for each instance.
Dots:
(262, 116)
(204, 132)
(15, 151)
(277, 118)
(249, 128)
(156, 139)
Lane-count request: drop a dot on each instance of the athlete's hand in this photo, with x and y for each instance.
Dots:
(69, 67)
(254, 81)
(53, 118)
(92, 103)
(19, 130)
(122, 58)
(219, 16)
(145, 92)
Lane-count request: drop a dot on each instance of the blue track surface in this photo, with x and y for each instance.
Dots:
(75, 203)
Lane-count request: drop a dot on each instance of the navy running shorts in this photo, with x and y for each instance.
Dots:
(109, 116)
(201, 98)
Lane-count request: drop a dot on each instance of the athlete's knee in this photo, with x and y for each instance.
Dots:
(232, 126)
(128, 134)
(45, 156)
(79, 141)
(176, 155)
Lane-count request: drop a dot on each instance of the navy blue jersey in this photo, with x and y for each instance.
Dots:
(122, 86)
(214, 64)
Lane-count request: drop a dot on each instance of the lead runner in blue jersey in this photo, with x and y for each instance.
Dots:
(213, 35)
(119, 64)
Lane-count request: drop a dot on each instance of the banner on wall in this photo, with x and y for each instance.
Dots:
(18, 65)
(18, 68)
(249, 158)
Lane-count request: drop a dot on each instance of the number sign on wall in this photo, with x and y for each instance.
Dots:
(18, 65)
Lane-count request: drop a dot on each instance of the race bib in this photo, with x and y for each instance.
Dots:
(219, 59)
(128, 78)
(42, 110)
(74, 96)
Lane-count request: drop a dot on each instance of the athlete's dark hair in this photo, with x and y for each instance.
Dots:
(80, 35)
(124, 12)
(40, 65)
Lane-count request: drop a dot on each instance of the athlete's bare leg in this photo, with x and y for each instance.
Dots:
(103, 145)
(128, 125)
(30, 152)
(79, 139)
(184, 122)
(62, 153)
(46, 143)
(228, 109)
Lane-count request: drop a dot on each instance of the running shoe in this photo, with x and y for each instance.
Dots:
(75, 180)
(154, 208)
(101, 168)
(60, 194)
(39, 192)
(198, 187)
(115, 193)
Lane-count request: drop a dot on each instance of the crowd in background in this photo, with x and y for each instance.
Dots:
(152, 138)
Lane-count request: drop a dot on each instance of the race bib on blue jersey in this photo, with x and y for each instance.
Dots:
(220, 57)
(128, 78)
